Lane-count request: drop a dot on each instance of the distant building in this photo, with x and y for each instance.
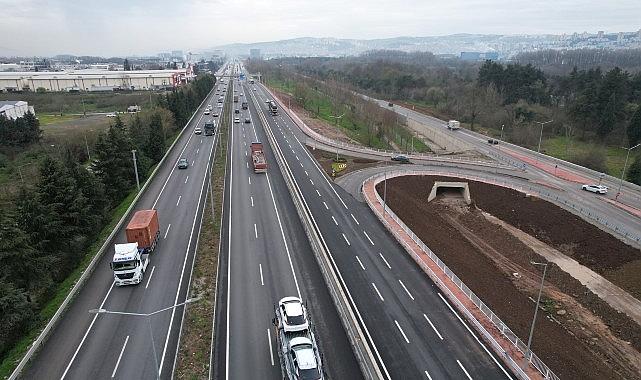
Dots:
(177, 54)
(478, 56)
(254, 54)
(13, 109)
(600, 34)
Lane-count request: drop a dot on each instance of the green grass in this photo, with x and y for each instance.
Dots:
(556, 147)
(12, 358)
(63, 102)
(55, 118)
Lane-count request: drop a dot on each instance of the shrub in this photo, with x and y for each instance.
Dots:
(593, 159)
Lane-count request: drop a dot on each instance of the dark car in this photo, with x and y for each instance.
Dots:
(400, 158)
(183, 163)
(247, 120)
(236, 110)
(492, 141)
(390, 104)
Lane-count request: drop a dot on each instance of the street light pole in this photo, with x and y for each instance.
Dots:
(528, 352)
(133, 152)
(502, 126)
(541, 135)
(624, 166)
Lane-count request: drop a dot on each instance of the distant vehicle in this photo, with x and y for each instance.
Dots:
(198, 131)
(133, 109)
(235, 98)
(236, 110)
(390, 104)
(215, 114)
(401, 158)
(251, 81)
(254, 88)
(183, 163)
(247, 120)
(453, 125)
(492, 141)
(207, 112)
(241, 94)
(597, 189)
(273, 108)
(236, 120)
(112, 114)
(209, 106)
(130, 260)
(209, 127)
(258, 158)
(244, 105)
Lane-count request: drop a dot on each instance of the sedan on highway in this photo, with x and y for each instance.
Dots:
(597, 189)
(183, 163)
(236, 120)
(293, 314)
(247, 120)
(198, 131)
(401, 158)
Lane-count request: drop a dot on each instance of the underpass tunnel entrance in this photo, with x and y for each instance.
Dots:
(450, 190)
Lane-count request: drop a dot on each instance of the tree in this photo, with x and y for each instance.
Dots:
(154, 147)
(113, 164)
(634, 128)
(634, 173)
(118, 122)
(126, 65)
(16, 314)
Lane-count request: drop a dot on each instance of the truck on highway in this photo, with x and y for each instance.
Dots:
(453, 125)
(273, 108)
(235, 98)
(131, 259)
(297, 349)
(244, 105)
(258, 157)
(209, 128)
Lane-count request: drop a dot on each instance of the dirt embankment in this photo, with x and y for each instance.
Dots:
(578, 335)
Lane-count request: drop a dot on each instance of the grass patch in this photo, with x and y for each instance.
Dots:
(55, 118)
(64, 102)
(12, 358)
(556, 147)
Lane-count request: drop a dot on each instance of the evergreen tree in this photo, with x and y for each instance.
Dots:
(113, 164)
(634, 173)
(118, 123)
(634, 128)
(93, 191)
(155, 145)
(16, 314)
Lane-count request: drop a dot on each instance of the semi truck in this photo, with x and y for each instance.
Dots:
(209, 127)
(131, 259)
(258, 157)
(273, 108)
(453, 125)
(297, 349)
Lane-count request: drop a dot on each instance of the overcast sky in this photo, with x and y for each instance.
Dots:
(128, 27)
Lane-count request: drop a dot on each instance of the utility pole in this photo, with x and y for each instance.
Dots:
(541, 135)
(624, 166)
(87, 146)
(502, 126)
(133, 152)
(528, 352)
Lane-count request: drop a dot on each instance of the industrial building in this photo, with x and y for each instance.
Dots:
(13, 109)
(93, 80)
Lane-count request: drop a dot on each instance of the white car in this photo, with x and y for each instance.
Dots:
(198, 131)
(236, 120)
(293, 314)
(597, 189)
(303, 361)
(215, 114)
(207, 112)
(112, 114)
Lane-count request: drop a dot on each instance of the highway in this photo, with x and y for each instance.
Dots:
(413, 330)
(266, 256)
(99, 346)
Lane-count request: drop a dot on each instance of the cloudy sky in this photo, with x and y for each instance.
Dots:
(127, 27)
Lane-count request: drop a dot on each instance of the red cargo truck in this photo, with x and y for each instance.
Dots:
(144, 229)
(258, 158)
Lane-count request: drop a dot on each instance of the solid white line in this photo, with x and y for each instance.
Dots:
(326, 205)
(271, 351)
(260, 267)
(377, 292)
(386, 263)
(428, 375)
(249, 179)
(334, 219)
(312, 182)
(150, 275)
(317, 192)
(180, 196)
(255, 231)
(464, 370)
(186, 179)
(353, 217)
(87, 332)
(167, 231)
(113, 374)
(345, 237)
(406, 291)
(368, 238)
(359, 261)
(433, 327)
(252, 199)
(475, 337)
(401, 330)
(229, 246)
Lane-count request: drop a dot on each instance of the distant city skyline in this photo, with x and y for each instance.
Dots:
(146, 27)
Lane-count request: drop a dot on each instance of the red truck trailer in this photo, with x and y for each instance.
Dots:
(258, 157)
(144, 229)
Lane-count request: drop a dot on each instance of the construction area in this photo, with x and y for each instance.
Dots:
(582, 332)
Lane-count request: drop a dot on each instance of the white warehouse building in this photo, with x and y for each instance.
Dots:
(93, 80)
(13, 109)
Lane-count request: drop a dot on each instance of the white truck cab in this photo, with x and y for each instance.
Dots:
(128, 264)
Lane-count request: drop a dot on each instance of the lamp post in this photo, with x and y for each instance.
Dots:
(147, 316)
(337, 119)
(133, 152)
(625, 164)
(528, 352)
(541, 135)
(502, 126)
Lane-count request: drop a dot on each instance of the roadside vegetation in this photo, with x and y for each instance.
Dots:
(595, 111)
(65, 103)
(56, 217)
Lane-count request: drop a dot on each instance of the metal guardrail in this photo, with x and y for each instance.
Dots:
(534, 360)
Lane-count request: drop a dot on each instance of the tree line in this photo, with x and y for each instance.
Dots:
(52, 224)
(19, 132)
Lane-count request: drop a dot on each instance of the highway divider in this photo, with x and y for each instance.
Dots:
(42, 337)
(369, 360)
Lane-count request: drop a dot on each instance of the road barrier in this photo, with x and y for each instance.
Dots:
(42, 337)
(500, 326)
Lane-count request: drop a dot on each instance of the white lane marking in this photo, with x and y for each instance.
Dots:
(402, 332)
(406, 291)
(433, 327)
(312, 182)
(307, 174)
(347, 241)
(113, 374)
(318, 192)
(334, 219)
(249, 179)
(368, 238)
(245, 153)
(301, 164)
(255, 231)
(87, 332)
(464, 370)
(353, 217)
(360, 262)
(271, 351)
(260, 267)
(247, 165)
(197, 150)
(386, 263)
(150, 275)
(377, 292)
(201, 141)
(297, 159)
(179, 197)
(327, 207)
(474, 335)
(252, 199)
(166, 232)
(186, 179)
(193, 162)
(428, 375)
(229, 247)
